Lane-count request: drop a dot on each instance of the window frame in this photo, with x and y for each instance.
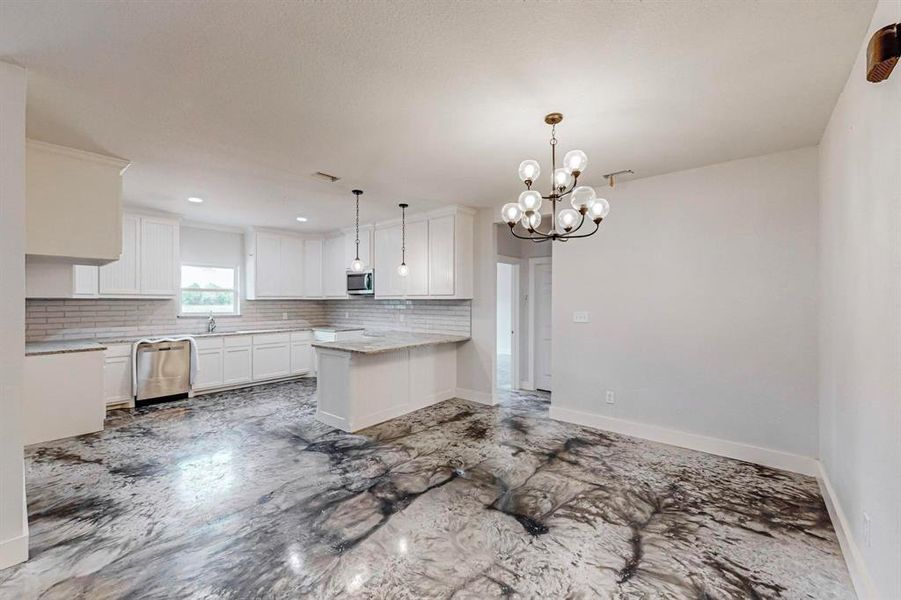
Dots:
(236, 271)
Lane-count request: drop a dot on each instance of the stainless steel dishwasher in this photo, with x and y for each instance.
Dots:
(163, 369)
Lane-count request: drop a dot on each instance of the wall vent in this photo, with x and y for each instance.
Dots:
(325, 177)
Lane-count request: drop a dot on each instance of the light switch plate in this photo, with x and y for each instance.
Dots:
(580, 316)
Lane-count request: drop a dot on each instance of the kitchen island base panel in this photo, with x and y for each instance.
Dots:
(357, 390)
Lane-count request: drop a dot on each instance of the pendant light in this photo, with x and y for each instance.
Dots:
(402, 269)
(356, 265)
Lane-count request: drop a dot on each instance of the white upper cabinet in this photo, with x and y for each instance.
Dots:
(149, 262)
(334, 271)
(50, 278)
(312, 268)
(74, 204)
(275, 265)
(159, 257)
(439, 254)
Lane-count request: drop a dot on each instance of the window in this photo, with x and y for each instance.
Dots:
(205, 289)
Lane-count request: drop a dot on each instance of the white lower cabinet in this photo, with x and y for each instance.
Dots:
(117, 374)
(237, 360)
(271, 356)
(210, 371)
(301, 352)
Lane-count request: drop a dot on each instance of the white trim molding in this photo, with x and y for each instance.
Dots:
(13, 551)
(860, 577)
(487, 398)
(767, 457)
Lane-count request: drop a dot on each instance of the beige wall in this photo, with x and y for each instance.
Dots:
(13, 529)
(860, 322)
(701, 288)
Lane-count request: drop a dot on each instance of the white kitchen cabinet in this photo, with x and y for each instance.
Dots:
(121, 277)
(210, 363)
(417, 254)
(271, 356)
(301, 352)
(274, 266)
(53, 279)
(334, 269)
(159, 257)
(237, 360)
(117, 387)
(388, 284)
(441, 256)
(148, 265)
(312, 268)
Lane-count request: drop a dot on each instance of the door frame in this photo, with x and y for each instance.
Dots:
(515, 321)
(533, 262)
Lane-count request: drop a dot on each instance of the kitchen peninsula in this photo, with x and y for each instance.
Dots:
(380, 376)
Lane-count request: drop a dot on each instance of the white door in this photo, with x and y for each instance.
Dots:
(301, 358)
(209, 368)
(334, 271)
(417, 245)
(121, 276)
(387, 259)
(292, 267)
(237, 360)
(159, 256)
(268, 264)
(312, 268)
(541, 322)
(441, 256)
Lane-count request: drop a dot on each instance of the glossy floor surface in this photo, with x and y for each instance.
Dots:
(245, 495)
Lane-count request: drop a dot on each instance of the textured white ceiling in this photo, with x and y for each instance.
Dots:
(424, 102)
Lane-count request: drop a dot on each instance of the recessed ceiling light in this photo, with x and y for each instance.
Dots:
(195, 199)
(301, 219)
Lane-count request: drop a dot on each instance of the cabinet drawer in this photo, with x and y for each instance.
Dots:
(271, 338)
(208, 343)
(117, 350)
(301, 336)
(238, 341)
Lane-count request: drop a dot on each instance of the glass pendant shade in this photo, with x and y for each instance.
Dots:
(531, 220)
(511, 213)
(562, 178)
(568, 218)
(356, 265)
(575, 161)
(403, 270)
(599, 209)
(530, 200)
(582, 197)
(529, 170)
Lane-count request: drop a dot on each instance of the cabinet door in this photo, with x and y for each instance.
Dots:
(441, 256)
(237, 361)
(292, 267)
(117, 379)
(121, 276)
(334, 274)
(209, 369)
(159, 257)
(312, 268)
(271, 361)
(387, 258)
(301, 358)
(85, 281)
(417, 258)
(268, 264)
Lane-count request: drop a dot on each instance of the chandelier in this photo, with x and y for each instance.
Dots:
(564, 182)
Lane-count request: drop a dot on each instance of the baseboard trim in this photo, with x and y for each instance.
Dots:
(487, 398)
(762, 456)
(13, 551)
(857, 568)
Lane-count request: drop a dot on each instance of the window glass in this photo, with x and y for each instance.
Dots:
(205, 289)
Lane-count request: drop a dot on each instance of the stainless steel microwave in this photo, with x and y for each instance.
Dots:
(362, 283)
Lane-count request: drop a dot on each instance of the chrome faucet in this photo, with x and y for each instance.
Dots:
(211, 324)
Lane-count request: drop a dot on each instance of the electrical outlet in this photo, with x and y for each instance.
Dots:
(580, 316)
(867, 530)
(284, 316)
(611, 397)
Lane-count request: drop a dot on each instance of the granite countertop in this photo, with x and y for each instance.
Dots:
(132, 339)
(338, 329)
(391, 341)
(62, 347)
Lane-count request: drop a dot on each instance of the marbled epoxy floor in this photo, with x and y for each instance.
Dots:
(245, 495)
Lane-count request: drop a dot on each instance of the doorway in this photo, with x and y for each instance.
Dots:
(507, 375)
(540, 278)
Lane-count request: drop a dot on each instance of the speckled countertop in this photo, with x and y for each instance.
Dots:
(133, 338)
(390, 341)
(64, 347)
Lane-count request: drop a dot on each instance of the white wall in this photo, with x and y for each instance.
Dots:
(701, 287)
(860, 322)
(13, 528)
(504, 308)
